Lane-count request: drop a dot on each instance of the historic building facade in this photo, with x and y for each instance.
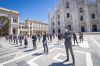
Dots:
(10, 24)
(78, 15)
(9, 21)
(33, 26)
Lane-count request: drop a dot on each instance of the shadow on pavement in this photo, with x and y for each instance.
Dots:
(37, 54)
(60, 64)
(22, 63)
(16, 46)
(28, 50)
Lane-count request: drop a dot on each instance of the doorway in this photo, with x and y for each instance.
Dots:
(94, 28)
(59, 31)
(14, 31)
(82, 28)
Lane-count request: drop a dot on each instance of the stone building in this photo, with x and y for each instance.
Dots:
(9, 21)
(78, 15)
(33, 26)
(10, 24)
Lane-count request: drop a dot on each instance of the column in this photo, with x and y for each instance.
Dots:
(10, 25)
(18, 32)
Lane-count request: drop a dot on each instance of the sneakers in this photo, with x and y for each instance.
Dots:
(66, 60)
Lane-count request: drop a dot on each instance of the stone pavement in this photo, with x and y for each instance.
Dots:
(27, 57)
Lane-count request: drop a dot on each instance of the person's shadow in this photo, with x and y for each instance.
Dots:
(29, 50)
(60, 64)
(37, 54)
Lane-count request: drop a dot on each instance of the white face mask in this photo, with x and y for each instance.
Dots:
(66, 30)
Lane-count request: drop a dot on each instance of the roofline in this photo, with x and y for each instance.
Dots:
(37, 21)
(5, 9)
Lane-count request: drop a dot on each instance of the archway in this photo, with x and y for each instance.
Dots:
(94, 28)
(4, 25)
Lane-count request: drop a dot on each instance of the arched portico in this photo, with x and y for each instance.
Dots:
(4, 25)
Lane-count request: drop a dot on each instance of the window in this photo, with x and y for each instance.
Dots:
(58, 22)
(68, 15)
(22, 26)
(93, 16)
(59, 31)
(81, 10)
(30, 27)
(14, 20)
(19, 26)
(81, 18)
(53, 31)
(67, 4)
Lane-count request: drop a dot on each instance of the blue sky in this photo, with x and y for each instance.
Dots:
(34, 9)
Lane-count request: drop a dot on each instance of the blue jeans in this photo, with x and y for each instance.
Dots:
(45, 46)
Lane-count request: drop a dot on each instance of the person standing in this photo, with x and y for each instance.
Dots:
(81, 36)
(45, 46)
(75, 38)
(59, 38)
(53, 35)
(16, 38)
(39, 37)
(34, 41)
(68, 44)
(11, 38)
(25, 41)
(50, 38)
(20, 39)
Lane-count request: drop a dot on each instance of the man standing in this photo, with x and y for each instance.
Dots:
(34, 41)
(68, 44)
(45, 46)
(59, 38)
(39, 37)
(75, 38)
(16, 39)
(20, 39)
(50, 38)
(81, 36)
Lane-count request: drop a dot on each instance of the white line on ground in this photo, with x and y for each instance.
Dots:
(22, 56)
(84, 44)
(17, 52)
(32, 63)
(56, 57)
(88, 58)
(95, 42)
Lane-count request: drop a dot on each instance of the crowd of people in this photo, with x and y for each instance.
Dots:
(67, 36)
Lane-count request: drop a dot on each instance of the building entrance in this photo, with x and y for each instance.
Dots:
(4, 25)
(82, 28)
(94, 28)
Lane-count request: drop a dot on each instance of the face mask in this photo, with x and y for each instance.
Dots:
(66, 30)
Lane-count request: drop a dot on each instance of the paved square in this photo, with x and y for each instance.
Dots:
(56, 58)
